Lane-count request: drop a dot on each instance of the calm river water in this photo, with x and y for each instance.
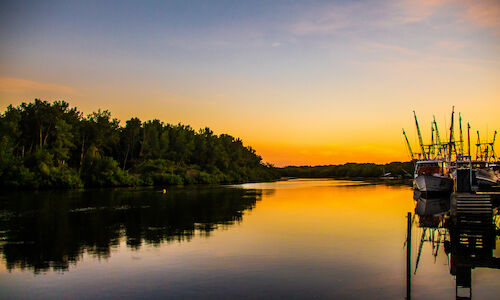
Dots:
(302, 239)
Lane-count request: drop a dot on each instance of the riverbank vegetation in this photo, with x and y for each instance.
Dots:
(53, 145)
(351, 170)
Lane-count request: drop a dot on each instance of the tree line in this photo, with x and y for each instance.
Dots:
(351, 170)
(53, 145)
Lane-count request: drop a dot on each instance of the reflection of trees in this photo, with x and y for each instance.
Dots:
(52, 229)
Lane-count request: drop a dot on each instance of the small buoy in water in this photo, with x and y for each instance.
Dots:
(164, 191)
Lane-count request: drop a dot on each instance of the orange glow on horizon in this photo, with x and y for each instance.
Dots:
(322, 83)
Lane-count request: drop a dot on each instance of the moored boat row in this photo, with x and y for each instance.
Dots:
(441, 166)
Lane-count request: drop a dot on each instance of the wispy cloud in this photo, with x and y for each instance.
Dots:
(484, 13)
(418, 10)
(327, 19)
(333, 18)
(362, 16)
(17, 85)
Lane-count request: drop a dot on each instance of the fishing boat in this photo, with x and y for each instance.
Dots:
(430, 174)
(475, 175)
(486, 174)
(487, 177)
(438, 163)
(430, 177)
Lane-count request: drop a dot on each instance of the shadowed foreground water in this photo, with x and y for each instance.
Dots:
(290, 239)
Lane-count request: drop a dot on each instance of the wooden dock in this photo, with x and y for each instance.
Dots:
(479, 205)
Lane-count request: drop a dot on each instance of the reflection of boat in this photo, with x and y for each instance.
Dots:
(432, 206)
(431, 210)
(471, 245)
(469, 236)
(430, 177)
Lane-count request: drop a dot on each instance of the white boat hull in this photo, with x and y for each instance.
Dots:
(487, 177)
(433, 184)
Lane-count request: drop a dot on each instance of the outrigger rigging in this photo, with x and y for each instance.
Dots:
(408, 144)
(486, 151)
(436, 163)
(452, 149)
(420, 140)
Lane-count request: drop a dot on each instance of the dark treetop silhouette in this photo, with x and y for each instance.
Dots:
(46, 144)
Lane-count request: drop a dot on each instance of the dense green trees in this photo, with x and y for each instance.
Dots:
(351, 170)
(46, 144)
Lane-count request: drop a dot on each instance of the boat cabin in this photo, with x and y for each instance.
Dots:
(428, 167)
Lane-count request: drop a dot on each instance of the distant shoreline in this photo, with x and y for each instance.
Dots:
(389, 171)
(391, 181)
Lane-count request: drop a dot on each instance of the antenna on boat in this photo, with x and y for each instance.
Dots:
(468, 139)
(419, 135)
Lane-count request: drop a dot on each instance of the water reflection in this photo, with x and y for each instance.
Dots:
(320, 239)
(51, 230)
(431, 211)
(467, 238)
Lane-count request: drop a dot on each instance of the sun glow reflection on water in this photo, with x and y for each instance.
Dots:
(302, 239)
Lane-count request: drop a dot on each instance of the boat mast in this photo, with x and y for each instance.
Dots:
(451, 143)
(468, 140)
(486, 150)
(461, 134)
(479, 154)
(408, 144)
(492, 145)
(487, 154)
(432, 145)
(419, 135)
(438, 138)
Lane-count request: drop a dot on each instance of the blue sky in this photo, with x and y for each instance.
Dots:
(301, 81)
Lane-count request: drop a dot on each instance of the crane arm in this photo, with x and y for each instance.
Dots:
(452, 126)
(408, 144)
(420, 140)
(438, 138)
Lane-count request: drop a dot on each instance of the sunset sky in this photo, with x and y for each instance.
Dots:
(304, 83)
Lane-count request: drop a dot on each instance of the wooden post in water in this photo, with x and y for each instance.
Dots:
(408, 257)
